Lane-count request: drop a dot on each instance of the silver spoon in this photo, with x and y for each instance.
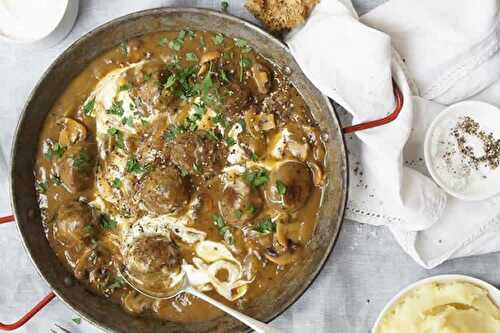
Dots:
(186, 287)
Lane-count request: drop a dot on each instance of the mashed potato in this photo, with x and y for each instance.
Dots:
(456, 307)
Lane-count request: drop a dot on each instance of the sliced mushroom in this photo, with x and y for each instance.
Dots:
(72, 131)
(293, 231)
(256, 123)
(206, 58)
(281, 236)
(282, 260)
(261, 78)
(209, 56)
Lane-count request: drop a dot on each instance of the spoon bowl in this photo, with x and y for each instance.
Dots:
(184, 286)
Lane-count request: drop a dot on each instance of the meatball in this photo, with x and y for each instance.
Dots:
(239, 203)
(289, 186)
(163, 191)
(153, 254)
(153, 264)
(77, 167)
(198, 154)
(75, 222)
(237, 100)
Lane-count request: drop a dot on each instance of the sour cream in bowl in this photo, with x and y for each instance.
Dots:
(443, 303)
(36, 23)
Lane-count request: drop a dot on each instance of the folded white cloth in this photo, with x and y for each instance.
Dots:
(438, 52)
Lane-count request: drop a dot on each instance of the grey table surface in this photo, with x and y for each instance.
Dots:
(366, 269)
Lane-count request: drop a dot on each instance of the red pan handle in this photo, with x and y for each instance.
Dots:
(383, 121)
(35, 309)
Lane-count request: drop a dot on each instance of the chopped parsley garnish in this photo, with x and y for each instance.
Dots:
(89, 106)
(41, 187)
(117, 283)
(129, 121)
(219, 221)
(246, 49)
(223, 228)
(223, 76)
(171, 81)
(134, 166)
(257, 178)
(230, 141)
(197, 168)
(266, 226)
(254, 157)
(185, 87)
(124, 48)
(240, 42)
(220, 119)
(55, 149)
(116, 108)
(190, 56)
(207, 83)
(214, 135)
(281, 187)
(224, 5)
(227, 55)
(123, 87)
(77, 321)
(218, 39)
(242, 124)
(118, 137)
(176, 44)
(191, 34)
(107, 222)
(184, 172)
(117, 183)
(171, 133)
(81, 160)
(56, 179)
(252, 210)
(89, 229)
(163, 41)
(245, 63)
(237, 213)
(174, 60)
(201, 43)
(147, 76)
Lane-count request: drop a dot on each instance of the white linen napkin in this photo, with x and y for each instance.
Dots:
(442, 52)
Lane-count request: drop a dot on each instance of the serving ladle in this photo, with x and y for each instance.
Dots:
(184, 286)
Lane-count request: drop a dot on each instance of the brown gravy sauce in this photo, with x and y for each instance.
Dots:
(95, 259)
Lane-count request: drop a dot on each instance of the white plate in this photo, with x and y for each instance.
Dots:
(494, 293)
(488, 116)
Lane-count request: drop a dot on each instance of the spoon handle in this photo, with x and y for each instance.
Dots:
(256, 325)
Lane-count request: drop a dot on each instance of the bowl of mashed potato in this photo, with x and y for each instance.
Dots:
(443, 304)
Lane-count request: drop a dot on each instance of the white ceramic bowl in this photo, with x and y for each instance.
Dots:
(494, 293)
(61, 29)
(488, 116)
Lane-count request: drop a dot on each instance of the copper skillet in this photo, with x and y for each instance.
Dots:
(96, 309)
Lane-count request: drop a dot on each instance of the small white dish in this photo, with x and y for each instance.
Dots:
(60, 16)
(494, 293)
(481, 184)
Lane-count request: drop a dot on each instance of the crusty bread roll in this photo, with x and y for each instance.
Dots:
(280, 15)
